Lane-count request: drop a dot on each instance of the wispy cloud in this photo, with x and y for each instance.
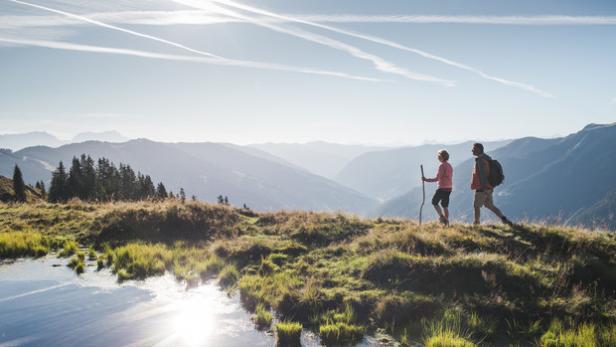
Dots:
(157, 17)
(214, 58)
(389, 43)
(378, 62)
(431, 19)
(174, 57)
(113, 27)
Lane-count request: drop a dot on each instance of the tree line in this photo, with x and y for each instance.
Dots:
(99, 180)
(91, 180)
(102, 181)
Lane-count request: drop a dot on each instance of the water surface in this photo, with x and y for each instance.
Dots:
(43, 303)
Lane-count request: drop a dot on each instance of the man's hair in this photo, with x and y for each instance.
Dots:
(479, 146)
(443, 154)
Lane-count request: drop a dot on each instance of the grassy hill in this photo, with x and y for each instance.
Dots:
(7, 193)
(343, 276)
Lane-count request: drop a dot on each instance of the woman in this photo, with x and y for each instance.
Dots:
(444, 177)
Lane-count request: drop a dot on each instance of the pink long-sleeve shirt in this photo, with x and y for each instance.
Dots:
(444, 176)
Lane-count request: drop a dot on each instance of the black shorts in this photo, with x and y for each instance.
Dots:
(442, 196)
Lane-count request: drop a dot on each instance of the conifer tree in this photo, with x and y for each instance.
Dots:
(182, 195)
(18, 185)
(75, 181)
(88, 178)
(41, 188)
(161, 191)
(58, 190)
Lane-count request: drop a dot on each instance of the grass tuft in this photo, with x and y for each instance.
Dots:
(288, 333)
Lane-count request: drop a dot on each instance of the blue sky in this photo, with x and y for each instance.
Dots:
(292, 71)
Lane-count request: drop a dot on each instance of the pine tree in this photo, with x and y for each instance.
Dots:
(148, 190)
(75, 181)
(58, 190)
(161, 191)
(182, 195)
(221, 200)
(226, 201)
(88, 178)
(18, 185)
(193, 198)
(41, 188)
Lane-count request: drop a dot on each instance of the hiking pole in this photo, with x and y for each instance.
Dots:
(423, 189)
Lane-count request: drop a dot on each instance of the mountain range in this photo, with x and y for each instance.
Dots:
(322, 158)
(567, 180)
(16, 142)
(385, 174)
(205, 170)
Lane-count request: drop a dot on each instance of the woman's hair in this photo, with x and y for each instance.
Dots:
(443, 154)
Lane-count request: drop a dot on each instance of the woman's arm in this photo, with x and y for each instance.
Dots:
(439, 174)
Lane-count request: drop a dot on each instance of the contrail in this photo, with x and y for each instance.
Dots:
(378, 62)
(113, 27)
(382, 41)
(157, 17)
(496, 20)
(185, 58)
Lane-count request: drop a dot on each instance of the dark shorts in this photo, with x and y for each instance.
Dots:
(442, 196)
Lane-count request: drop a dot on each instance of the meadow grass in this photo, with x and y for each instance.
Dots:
(17, 244)
(262, 317)
(77, 263)
(342, 275)
(288, 333)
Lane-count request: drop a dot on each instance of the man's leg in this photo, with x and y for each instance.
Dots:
(478, 201)
(446, 212)
(489, 203)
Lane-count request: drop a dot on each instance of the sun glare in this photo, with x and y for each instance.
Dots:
(194, 322)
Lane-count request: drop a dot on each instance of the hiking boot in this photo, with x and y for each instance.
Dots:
(506, 221)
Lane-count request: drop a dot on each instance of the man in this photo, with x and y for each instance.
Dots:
(482, 187)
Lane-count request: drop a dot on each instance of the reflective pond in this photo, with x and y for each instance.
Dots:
(43, 302)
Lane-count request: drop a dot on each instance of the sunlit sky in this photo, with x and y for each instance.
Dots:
(377, 72)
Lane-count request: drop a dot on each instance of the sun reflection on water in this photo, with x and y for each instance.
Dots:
(194, 321)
